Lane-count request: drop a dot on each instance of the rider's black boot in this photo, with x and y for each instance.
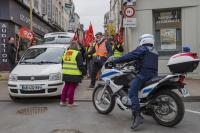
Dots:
(137, 120)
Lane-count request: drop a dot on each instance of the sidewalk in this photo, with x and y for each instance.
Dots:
(4, 75)
(83, 93)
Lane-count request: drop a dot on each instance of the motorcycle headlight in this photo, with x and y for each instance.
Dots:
(55, 76)
(13, 77)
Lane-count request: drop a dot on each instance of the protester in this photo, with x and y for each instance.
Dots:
(117, 47)
(89, 59)
(12, 53)
(102, 50)
(73, 72)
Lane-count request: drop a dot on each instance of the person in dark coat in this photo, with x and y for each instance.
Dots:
(12, 53)
(73, 72)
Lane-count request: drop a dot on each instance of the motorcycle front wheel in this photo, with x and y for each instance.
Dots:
(103, 100)
(168, 109)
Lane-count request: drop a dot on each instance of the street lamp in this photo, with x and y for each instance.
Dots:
(31, 15)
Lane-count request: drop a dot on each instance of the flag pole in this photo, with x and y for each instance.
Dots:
(31, 15)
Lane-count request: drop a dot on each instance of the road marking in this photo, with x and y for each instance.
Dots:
(191, 111)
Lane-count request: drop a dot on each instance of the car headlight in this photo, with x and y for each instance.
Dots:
(55, 76)
(13, 77)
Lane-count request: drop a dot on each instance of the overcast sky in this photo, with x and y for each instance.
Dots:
(92, 11)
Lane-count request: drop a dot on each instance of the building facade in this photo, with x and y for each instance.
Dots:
(48, 16)
(52, 11)
(173, 23)
(115, 13)
(74, 23)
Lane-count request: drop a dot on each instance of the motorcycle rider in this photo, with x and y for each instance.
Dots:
(146, 58)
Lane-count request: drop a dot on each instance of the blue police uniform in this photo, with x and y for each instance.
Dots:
(147, 64)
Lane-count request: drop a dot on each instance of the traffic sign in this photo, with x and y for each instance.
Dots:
(129, 11)
(129, 22)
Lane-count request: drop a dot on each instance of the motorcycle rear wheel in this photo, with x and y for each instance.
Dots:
(165, 106)
(107, 99)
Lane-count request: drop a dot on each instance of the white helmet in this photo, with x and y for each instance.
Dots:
(146, 39)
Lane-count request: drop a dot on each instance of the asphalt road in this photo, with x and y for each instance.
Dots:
(46, 116)
(84, 118)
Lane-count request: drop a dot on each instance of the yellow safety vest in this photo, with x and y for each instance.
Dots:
(70, 64)
(95, 52)
(88, 50)
(117, 53)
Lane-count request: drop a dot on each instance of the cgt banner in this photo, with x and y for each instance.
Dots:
(26, 34)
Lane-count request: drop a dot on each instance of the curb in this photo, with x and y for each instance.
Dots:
(191, 99)
(3, 79)
(186, 99)
(46, 100)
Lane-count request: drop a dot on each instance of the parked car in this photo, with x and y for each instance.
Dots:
(38, 73)
(58, 37)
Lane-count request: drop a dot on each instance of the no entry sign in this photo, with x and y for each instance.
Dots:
(129, 11)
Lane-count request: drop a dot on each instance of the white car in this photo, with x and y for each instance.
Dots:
(38, 73)
(58, 37)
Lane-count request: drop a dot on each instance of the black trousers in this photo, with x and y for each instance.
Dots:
(95, 69)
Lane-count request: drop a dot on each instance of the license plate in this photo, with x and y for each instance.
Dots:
(185, 92)
(31, 87)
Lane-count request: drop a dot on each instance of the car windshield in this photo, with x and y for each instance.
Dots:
(49, 39)
(43, 56)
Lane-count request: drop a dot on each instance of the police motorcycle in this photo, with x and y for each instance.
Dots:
(158, 97)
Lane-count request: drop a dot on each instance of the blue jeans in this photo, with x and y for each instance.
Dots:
(136, 85)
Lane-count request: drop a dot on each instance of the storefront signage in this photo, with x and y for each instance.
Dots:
(26, 20)
(68, 6)
(26, 34)
(168, 17)
(3, 37)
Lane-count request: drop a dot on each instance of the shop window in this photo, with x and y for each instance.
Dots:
(168, 31)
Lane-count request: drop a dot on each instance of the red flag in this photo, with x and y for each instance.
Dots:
(76, 36)
(119, 36)
(84, 37)
(89, 37)
(26, 34)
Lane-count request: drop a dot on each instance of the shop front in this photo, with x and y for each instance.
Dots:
(15, 17)
(173, 23)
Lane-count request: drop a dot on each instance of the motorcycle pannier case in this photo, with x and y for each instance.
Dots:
(183, 63)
